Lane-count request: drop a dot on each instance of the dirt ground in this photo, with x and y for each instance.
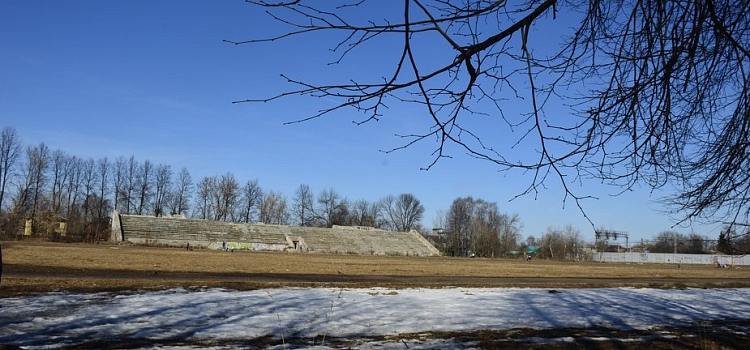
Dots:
(32, 267)
(36, 267)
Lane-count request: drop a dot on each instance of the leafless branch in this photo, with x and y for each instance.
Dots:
(655, 92)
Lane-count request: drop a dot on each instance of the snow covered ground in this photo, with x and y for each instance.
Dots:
(218, 316)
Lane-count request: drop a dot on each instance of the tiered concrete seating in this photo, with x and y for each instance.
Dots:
(180, 232)
(349, 240)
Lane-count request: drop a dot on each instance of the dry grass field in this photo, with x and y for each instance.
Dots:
(35, 267)
(32, 267)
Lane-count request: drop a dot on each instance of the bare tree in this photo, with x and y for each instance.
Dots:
(224, 195)
(144, 184)
(203, 204)
(252, 194)
(31, 189)
(458, 226)
(647, 92)
(573, 249)
(131, 183)
(485, 226)
(359, 213)
(475, 226)
(60, 174)
(440, 221)
(162, 185)
(675, 242)
(23, 193)
(75, 168)
(404, 212)
(561, 244)
(10, 153)
(303, 205)
(273, 209)
(332, 208)
(104, 168)
(667, 242)
(366, 213)
(509, 232)
(552, 244)
(118, 181)
(88, 180)
(38, 164)
(181, 193)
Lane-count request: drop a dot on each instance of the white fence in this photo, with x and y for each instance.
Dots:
(665, 258)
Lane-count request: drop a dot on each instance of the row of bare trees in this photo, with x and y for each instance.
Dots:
(224, 198)
(41, 184)
(145, 188)
(733, 239)
(396, 213)
(675, 242)
(559, 244)
(51, 186)
(475, 227)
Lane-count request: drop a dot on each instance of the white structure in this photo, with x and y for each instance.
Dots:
(666, 258)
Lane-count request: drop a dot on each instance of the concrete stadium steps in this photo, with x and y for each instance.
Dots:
(343, 240)
(178, 232)
(175, 231)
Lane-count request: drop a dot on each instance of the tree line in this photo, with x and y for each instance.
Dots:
(732, 239)
(49, 186)
(475, 227)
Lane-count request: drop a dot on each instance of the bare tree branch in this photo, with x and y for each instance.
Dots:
(649, 92)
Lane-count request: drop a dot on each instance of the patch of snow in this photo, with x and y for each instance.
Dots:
(49, 320)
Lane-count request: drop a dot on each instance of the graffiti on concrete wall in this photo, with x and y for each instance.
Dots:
(253, 246)
(707, 259)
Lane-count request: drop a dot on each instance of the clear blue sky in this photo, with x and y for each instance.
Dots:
(153, 79)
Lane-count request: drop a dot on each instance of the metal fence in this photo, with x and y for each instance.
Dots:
(666, 258)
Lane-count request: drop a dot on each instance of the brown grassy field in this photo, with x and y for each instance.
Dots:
(32, 267)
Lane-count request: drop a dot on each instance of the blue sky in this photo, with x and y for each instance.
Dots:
(153, 79)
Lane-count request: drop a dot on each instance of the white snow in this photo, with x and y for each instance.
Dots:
(216, 315)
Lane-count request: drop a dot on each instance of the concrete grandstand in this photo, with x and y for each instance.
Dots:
(183, 232)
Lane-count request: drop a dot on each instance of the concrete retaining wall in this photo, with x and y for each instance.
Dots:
(665, 258)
